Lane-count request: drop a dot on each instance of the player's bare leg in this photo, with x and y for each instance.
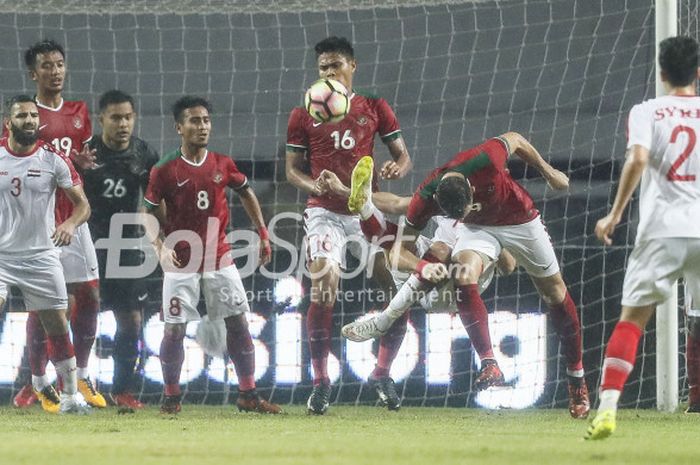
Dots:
(62, 355)
(474, 316)
(564, 318)
(325, 275)
(620, 355)
(172, 355)
(84, 304)
(242, 352)
(125, 355)
(693, 363)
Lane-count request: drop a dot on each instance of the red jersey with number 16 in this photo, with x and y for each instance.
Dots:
(337, 147)
(498, 199)
(194, 194)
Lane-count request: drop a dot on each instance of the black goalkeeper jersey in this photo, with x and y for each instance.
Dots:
(118, 183)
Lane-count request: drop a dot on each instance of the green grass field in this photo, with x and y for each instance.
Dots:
(346, 435)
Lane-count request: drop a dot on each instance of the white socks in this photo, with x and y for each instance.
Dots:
(66, 369)
(409, 293)
(608, 400)
(40, 382)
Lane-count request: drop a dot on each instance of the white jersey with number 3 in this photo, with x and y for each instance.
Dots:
(669, 127)
(27, 194)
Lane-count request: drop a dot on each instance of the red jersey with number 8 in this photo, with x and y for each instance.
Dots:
(195, 196)
(337, 147)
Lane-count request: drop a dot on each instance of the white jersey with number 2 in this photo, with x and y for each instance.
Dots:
(28, 185)
(669, 127)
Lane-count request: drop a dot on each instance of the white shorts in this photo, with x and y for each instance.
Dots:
(40, 279)
(460, 237)
(223, 292)
(655, 265)
(328, 234)
(3, 292)
(79, 259)
(529, 243)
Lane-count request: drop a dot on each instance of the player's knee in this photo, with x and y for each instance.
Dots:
(174, 331)
(236, 323)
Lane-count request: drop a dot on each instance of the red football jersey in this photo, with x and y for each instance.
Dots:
(499, 200)
(337, 147)
(193, 194)
(67, 128)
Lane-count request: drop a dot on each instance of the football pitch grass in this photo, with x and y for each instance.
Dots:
(346, 435)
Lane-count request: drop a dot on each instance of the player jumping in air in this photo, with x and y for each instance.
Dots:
(327, 220)
(191, 181)
(662, 153)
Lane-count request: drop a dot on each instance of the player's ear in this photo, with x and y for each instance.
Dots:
(32, 74)
(178, 128)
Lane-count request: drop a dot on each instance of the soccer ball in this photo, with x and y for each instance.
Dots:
(327, 101)
(211, 336)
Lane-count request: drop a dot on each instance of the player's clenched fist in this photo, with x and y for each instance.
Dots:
(558, 180)
(605, 227)
(434, 272)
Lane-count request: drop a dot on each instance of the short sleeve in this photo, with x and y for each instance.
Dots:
(420, 210)
(296, 135)
(87, 126)
(154, 193)
(236, 179)
(498, 152)
(389, 128)
(640, 125)
(66, 175)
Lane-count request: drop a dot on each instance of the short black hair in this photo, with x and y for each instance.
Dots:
(113, 97)
(454, 196)
(678, 59)
(189, 101)
(21, 98)
(43, 46)
(335, 44)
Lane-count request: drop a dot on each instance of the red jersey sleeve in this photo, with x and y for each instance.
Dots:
(420, 210)
(66, 174)
(389, 128)
(297, 140)
(86, 134)
(154, 193)
(236, 179)
(498, 152)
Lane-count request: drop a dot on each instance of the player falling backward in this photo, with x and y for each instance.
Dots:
(662, 152)
(30, 172)
(311, 148)
(66, 125)
(191, 182)
(475, 187)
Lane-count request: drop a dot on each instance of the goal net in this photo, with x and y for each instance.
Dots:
(564, 73)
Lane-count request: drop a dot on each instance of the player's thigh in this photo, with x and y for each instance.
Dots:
(325, 236)
(40, 280)
(78, 258)
(446, 231)
(530, 245)
(476, 240)
(180, 297)
(691, 274)
(224, 293)
(652, 270)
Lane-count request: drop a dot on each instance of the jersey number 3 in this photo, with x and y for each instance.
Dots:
(672, 174)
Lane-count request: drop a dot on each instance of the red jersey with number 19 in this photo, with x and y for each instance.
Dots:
(194, 195)
(337, 147)
(498, 199)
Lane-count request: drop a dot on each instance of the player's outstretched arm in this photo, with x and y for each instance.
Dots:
(294, 169)
(402, 258)
(401, 164)
(81, 212)
(636, 160)
(529, 154)
(252, 208)
(390, 203)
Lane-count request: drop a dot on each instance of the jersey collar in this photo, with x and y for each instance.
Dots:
(41, 105)
(4, 143)
(204, 158)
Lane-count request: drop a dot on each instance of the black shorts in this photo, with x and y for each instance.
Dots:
(118, 294)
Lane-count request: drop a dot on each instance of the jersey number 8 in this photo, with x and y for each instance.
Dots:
(202, 200)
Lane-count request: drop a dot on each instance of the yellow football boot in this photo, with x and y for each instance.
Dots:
(92, 397)
(49, 398)
(361, 184)
(602, 426)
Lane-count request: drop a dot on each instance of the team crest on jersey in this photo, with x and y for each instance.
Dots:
(77, 122)
(218, 177)
(362, 120)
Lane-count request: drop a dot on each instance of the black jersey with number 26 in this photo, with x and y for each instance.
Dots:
(117, 183)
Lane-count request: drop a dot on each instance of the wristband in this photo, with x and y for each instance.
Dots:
(419, 267)
(264, 235)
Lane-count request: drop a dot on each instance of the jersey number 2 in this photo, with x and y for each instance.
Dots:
(672, 174)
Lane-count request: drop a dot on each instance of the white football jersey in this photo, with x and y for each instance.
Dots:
(669, 204)
(27, 197)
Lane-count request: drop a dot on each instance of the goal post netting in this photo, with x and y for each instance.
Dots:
(562, 73)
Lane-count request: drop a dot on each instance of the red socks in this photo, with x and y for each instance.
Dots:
(60, 348)
(319, 322)
(565, 320)
(172, 355)
(693, 368)
(620, 355)
(376, 228)
(36, 343)
(475, 319)
(389, 346)
(241, 350)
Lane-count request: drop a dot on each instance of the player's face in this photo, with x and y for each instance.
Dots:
(49, 71)
(24, 123)
(336, 66)
(195, 127)
(117, 122)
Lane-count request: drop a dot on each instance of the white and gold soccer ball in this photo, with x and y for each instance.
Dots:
(327, 101)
